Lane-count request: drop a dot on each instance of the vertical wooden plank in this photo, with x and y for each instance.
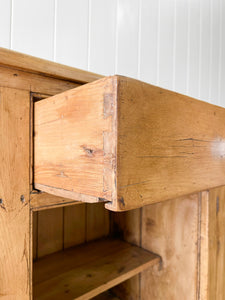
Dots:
(97, 218)
(72, 33)
(204, 49)
(33, 27)
(166, 44)
(214, 50)
(74, 225)
(193, 48)
(202, 292)
(216, 267)
(171, 230)
(5, 18)
(148, 40)
(181, 31)
(35, 234)
(127, 226)
(222, 58)
(102, 37)
(14, 183)
(50, 231)
(127, 37)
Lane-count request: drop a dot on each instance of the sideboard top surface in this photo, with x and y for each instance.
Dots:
(36, 65)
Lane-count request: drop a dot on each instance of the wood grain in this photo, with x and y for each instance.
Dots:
(14, 182)
(61, 228)
(35, 234)
(148, 145)
(74, 225)
(41, 66)
(203, 240)
(171, 228)
(97, 221)
(216, 254)
(127, 226)
(91, 273)
(169, 145)
(77, 128)
(42, 201)
(50, 231)
(35, 83)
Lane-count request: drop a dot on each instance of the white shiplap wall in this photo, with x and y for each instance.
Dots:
(176, 44)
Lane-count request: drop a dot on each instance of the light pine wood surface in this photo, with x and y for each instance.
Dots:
(15, 267)
(60, 228)
(77, 128)
(171, 229)
(36, 65)
(216, 244)
(33, 82)
(188, 226)
(122, 140)
(86, 271)
(127, 226)
(42, 201)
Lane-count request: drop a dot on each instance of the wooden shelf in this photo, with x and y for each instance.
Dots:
(88, 270)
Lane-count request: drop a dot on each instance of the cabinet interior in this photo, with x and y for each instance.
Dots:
(79, 251)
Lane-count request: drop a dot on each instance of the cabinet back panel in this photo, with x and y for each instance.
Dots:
(60, 228)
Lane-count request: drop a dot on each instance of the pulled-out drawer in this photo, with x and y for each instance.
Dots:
(128, 143)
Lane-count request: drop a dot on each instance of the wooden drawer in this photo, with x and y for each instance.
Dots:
(128, 143)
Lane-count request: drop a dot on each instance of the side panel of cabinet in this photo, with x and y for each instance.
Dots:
(60, 228)
(189, 234)
(170, 228)
(15, 268)
(216, 244)
(127, 226)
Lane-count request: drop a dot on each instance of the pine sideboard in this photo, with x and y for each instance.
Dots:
(110, 188)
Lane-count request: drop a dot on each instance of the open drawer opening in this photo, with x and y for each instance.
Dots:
(79, 253)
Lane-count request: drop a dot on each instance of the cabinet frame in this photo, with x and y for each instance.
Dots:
(22, 75)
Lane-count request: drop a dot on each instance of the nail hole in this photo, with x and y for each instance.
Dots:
(22, 198)
(1, 201)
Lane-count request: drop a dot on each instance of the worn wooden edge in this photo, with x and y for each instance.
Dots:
(203, 243)
(32, 82)
(65, 194)
(41, 66)
(216, 242)
(41, 201)
(15, 221)
(112, 204)
(119, 207)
